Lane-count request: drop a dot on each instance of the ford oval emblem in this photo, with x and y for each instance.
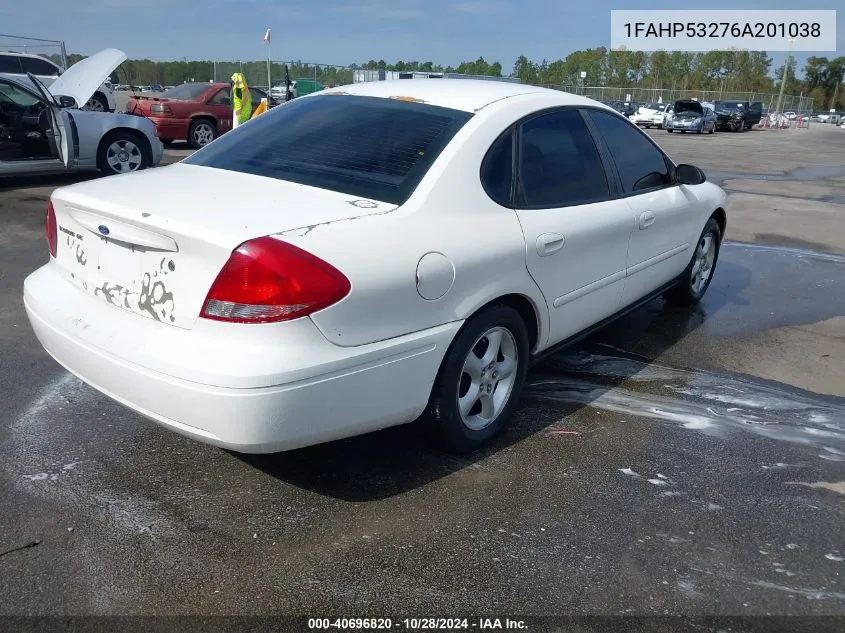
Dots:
(103, 229)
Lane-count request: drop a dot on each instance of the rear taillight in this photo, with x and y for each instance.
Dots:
(159, 109)
(50, 229)
(267, 280)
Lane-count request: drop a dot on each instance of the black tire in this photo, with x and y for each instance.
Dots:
(97, 103)
(198, 133)
(453, 433)
(670, 131)
(701, 131)
(133, 145)
(684, 293)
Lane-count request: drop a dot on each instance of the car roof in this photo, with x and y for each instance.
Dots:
(16, 54)
(468, 95)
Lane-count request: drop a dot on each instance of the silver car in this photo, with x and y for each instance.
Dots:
(691, 116)
(43, 130)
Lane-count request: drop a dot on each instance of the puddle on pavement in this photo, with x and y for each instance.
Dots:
(755, 288)
(802, 174)
(708, 402)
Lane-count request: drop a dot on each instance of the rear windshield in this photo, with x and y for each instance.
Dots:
(185, 91)
(367, 147)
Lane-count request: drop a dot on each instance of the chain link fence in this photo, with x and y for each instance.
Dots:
(654, 95)
(53, 49)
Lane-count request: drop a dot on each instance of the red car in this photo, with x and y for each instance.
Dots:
(193, 112)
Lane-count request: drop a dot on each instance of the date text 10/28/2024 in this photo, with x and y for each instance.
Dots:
(415, 624)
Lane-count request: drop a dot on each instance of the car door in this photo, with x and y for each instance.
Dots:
(58, 120)
(755, 113)
(220, 106)
(576, 233)
(665, 212)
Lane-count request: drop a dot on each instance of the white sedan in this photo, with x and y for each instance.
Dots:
(366, 256)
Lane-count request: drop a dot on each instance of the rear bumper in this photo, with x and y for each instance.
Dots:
(251, 389)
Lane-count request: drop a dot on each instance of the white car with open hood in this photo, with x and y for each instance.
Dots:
(43, 130)
(405, 249)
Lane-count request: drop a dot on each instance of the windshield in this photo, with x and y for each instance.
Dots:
(185, 91)
(728, 105)
(363, 146)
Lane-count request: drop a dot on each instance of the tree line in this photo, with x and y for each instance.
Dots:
(725, 71)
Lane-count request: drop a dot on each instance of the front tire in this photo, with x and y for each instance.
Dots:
(696, 278)
(97, 103)
(122, 152)
(480, 380)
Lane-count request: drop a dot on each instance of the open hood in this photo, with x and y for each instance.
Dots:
(81, 80)
(688, 106)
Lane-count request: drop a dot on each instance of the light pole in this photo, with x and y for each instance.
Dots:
(783, 77)
(267, 41)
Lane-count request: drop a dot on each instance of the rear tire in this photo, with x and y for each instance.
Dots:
(696, 278)
(478, 386)
(201, 133)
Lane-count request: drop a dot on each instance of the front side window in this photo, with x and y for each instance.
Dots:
(559, 162)
(10, 64)
(40, 67)
(367, 147)
(640, 164)
(11, 94)
(221, 98)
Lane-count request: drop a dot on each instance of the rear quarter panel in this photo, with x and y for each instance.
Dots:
(449, 214)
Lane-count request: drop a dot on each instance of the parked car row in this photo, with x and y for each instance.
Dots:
(690, 115)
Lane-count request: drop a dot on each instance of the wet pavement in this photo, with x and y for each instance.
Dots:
(684, 461)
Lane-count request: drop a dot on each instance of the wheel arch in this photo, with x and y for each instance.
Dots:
(142, 139)
(207, 117)
(722, 218)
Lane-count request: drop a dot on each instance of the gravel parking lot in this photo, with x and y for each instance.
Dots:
(680, 461)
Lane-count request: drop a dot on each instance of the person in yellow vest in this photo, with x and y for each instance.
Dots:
(241, 98)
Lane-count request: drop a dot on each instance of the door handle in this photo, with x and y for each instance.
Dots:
(549, 243)
(646, 219)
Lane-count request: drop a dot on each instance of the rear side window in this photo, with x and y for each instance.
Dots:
(10, 64)
(39, 67)
(367, 147)
(560, 165)
(641, 165)
(497, 170)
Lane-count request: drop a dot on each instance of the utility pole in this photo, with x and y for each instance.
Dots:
(835, 90)
(783, 76)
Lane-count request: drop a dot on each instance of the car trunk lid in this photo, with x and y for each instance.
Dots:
(153, 242)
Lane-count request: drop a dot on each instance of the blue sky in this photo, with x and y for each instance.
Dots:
(336, 32)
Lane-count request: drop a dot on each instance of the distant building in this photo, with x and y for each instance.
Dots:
(361, 75)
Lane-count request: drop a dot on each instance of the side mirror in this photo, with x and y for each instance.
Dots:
(67, 102)
(689, 175)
